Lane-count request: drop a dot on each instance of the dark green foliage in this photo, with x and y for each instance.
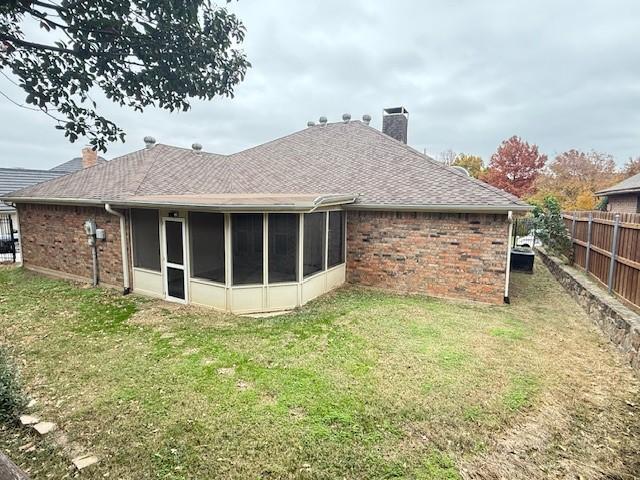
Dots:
(602, 204)
(12, 400)
(139, 53)
(550, 227)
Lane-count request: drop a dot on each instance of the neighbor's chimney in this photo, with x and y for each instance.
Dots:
(89, 157)
(395, 122)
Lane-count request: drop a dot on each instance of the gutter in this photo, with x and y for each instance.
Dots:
(328, 200)
(49, 200)
(123, 245)
(460, 208)
(318, 202)
(606, 193)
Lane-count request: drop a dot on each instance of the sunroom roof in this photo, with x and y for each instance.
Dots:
(242, 201)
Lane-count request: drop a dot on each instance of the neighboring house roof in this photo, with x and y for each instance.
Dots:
(17, 178)
(631, 184)
(73, 165)
(331, 162)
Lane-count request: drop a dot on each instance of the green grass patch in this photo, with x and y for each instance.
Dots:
(507, 333)
(521, 392)
(438, 466)
(358, 384)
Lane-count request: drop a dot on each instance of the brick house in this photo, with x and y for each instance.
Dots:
(624, 197)
(274, 226)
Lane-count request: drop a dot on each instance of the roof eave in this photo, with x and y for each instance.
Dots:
(454, 208)
(319, 202)
(52, 200)
(602, 193)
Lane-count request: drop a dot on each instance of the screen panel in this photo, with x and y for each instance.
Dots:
(336, 239)
(247, 242)
(145, 227)
(314, 242)
(206, 234)
(283, 247)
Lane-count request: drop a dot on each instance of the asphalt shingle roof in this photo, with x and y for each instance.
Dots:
(73, 165)
(17, 178)
(337, 158)
(630, 184)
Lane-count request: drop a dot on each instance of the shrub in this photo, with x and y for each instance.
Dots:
(12, 399)
(550, 227)
(602, 204)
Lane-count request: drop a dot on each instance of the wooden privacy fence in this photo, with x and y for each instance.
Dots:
(607, 245)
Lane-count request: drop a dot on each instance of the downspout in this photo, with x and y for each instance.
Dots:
(508, 270)
(123, 244)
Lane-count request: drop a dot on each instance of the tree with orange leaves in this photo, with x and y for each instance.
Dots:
(573, 177)
(515, 166)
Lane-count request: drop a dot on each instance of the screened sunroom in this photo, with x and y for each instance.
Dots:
(243, 261)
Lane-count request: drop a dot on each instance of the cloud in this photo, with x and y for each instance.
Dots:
(560, 74)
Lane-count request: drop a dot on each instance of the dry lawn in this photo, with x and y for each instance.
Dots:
(359, 384)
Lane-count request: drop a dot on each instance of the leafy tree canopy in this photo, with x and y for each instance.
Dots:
(573, 177)
(138, 52)
(515, 166)
(472, 163)
(550, 227)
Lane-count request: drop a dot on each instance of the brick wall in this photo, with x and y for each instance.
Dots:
(444, 255)
(53, 238)
(627, 203)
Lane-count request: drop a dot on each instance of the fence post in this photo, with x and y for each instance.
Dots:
(586, 260)
(13, 240)
(573, 236)
(614, 251)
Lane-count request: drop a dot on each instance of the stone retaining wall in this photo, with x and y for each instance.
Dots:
(618, 322)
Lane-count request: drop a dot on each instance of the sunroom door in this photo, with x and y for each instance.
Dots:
(174, 260)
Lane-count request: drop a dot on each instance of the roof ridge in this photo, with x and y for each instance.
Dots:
(202, 152)
(154, 159)
(440, 165)
(277, 139)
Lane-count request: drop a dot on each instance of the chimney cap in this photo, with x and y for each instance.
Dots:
(346, 117)
(323, 120)
(149, 141)
(366, 118)
(196, 146)
(395, 111)
(311, 123)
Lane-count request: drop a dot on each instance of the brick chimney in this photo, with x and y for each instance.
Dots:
(89, 157)
(395, 122)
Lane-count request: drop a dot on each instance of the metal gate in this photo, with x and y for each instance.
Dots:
(8, 239)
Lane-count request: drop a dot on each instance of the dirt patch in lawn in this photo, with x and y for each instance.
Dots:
(167, 315)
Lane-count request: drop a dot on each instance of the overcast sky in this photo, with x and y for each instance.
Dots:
(562, 74)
